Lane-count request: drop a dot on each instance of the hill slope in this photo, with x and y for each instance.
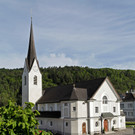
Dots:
(10, 79)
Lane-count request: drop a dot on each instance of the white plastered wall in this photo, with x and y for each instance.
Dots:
(106, 90)
(31, 92)
(35, 91)
(24, 87)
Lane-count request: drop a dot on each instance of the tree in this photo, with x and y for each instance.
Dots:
(16, 120)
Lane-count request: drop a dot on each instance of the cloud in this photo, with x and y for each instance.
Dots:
(57, 60)
(126, 65)
(12, 61)
(90, 33)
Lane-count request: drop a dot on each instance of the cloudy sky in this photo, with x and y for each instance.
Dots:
(93, 33)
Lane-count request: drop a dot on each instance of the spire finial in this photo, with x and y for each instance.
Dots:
(31, 14)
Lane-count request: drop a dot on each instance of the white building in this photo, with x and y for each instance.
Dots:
(128, 106)
(85, 107)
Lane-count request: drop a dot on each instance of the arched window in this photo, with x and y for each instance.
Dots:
(96, 124)
(51, 123)
(35, 80)
(24, 80)
(105, 101)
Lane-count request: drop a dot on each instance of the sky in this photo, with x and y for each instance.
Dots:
(92, 33)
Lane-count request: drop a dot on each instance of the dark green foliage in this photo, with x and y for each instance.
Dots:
(16, 120)
(10, 85)
(10, 79)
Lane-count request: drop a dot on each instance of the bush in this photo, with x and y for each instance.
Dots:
(16, 120)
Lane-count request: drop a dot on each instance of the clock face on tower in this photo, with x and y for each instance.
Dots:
(35, 68)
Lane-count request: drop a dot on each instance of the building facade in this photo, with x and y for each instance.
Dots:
(83, 108)
(128, 105)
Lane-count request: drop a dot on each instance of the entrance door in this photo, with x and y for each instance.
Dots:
(84, 128)
(106, 125)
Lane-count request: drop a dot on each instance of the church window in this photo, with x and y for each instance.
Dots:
(51, 124)
(66, 104)
(74, 108)
(96, 124)
(24, 80)
(35, 80)
(96, 109)
(114, 109)
(105, 101)
(40, 122)
(66, 124)
(114, 122)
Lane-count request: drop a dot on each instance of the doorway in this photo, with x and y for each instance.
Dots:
(106, 125)
(84, 128)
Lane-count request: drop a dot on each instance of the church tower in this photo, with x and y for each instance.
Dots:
(31, 77)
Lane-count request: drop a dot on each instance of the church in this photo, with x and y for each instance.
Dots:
(87, 107)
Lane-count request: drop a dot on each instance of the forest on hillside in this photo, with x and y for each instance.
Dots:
(10, 79)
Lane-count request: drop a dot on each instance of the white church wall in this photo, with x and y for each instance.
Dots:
(52, 124)
(25, 85)
(35, 91)
(115, 122)
(105, 89)
(81, 109)
(122, 122)
(73, 109)
(91, 121)
(78, 109)
(91, 111)
(97, 125)
(96, 111)
(74, 126)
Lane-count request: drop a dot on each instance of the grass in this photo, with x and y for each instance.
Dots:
(130, 124)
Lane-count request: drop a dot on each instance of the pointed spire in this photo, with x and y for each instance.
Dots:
(31, 51)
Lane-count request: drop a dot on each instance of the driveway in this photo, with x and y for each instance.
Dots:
(128, 131)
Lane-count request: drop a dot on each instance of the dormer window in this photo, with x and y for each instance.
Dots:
(105, 100)
(35, 80)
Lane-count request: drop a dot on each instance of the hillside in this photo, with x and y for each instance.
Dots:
(10, 79)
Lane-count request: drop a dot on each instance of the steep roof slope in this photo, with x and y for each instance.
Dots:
(82, 91)
(129, 97)
(31, 56)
